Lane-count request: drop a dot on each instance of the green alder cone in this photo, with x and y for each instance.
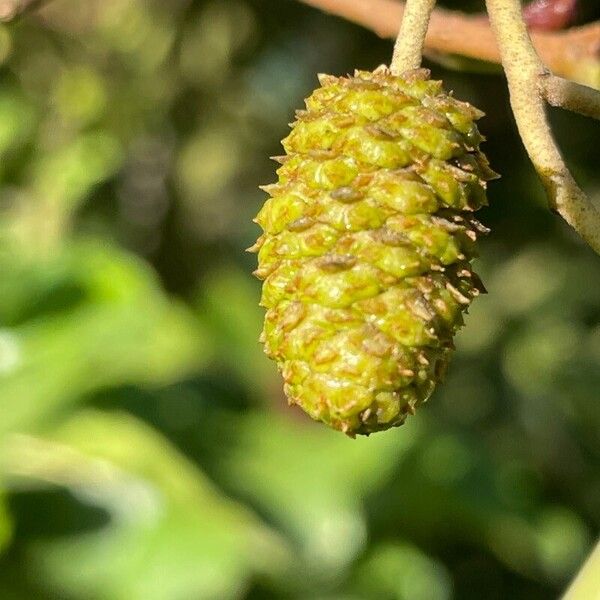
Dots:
(368, 238)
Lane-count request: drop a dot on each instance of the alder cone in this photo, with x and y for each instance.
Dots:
(368, 238)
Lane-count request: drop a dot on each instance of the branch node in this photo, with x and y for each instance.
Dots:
(570, 95)
(529, 85)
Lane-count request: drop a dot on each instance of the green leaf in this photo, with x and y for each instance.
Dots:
(120, 328)
(401, 571)
(62, 179)
(171, 534)
(228, 306)
(5, 524)
(17, 119)
(314, 481)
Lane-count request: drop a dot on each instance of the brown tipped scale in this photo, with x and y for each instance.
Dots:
(367, 243)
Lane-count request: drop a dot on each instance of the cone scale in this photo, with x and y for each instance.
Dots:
(368, 238)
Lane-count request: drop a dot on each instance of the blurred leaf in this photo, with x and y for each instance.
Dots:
(5, 43)
(5, 524)
(534, 358)
(79, 95)
(524, 281)
(403, 572)
(171, 533)
(212, 38)
(313, 481)
(17, 119)
(121, 329)
(140, 32)
(228, 307)
(65, 177)
(563, 541)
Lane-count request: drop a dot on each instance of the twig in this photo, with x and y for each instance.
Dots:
(523, 70)
(408, 51)
(571, 96)
(10, 9)
(586, 584)
(573, 53)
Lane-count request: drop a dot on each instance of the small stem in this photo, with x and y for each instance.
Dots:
(10, 9)
(587, 582)
(571, 96)
(523, 70)
(408, 51)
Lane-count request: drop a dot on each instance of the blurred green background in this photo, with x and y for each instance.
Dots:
(146, 451)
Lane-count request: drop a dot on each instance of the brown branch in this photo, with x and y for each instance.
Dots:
(573, 53)
(571, 96)
(524, 72)
(10, 9)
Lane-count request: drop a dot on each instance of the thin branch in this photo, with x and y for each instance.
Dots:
(587, 582)
(10, 9)
(573, 53)
(571, 96)
(523, 70)
(408, 51)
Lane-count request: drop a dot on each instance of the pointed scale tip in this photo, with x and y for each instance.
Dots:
(457, 295)
(269, 188)
(381, 69)
(325, 79)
